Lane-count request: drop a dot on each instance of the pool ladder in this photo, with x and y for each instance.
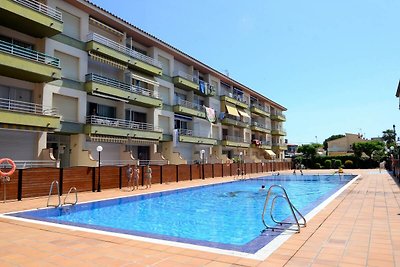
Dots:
(275, 195)
(72, 189)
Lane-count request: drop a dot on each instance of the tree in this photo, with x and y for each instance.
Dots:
(389, 136)
(333, 137)
(309, 151)
(369, 148)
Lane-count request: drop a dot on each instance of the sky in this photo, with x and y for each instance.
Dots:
(335, 65)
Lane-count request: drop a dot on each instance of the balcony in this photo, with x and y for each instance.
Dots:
(110, 88)
(234, 121)
(189, 108)
(102, 45)
(234, 141)
(259, 127)
(278, 116)
(278, 131)
(261, 144)
(236, 100)
(122, 128)
(260, 110)
(279, 146)
(185, 81)
(31, 17)
(28, 116)
(186, 136)
(28, 65)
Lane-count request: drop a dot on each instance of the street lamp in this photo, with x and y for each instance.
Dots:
(202, 158)
(241, 163)
(99, 149)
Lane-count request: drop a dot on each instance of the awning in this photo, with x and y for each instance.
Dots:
(270, 153)
(121, 140)
(105, 27)
(244, 113)
(107, 61)
(144, 78)
(231, 109)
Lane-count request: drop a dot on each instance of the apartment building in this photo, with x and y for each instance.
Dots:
(74, 77)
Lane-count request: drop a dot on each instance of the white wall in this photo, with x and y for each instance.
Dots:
(18, 145)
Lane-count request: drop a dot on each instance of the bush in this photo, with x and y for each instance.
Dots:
(348, 164)
(317, 165)
(337, 163)
(328, 164)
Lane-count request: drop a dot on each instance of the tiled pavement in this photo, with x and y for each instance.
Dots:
(361, 227)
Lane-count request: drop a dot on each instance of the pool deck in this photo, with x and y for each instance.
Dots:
(361, 227)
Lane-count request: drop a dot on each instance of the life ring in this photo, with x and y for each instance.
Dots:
(13, 167)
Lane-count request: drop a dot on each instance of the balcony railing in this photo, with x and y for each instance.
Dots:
(188, 104)
(41, 8)
(232, 117)
(234, 138)
(278, 113)
(92, 77)
(20, 51)
(279, 129)
(185, 132)
(125, 124)
(258, 124)
(259, 106)
(121, 48)
(185, 75)
(26, 107)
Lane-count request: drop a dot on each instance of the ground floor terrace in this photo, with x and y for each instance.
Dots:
(361, 227)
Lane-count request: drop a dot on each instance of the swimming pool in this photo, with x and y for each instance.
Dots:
(225, 216)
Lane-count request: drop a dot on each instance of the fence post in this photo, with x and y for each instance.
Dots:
(190, 168)
(93, 179)
(19, 185)
(61, 180)
(161, 177)
(177, 173)
(120, 177)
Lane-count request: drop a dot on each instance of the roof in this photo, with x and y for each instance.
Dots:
(151, 40)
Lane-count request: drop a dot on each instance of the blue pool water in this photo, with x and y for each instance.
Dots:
(224, 215)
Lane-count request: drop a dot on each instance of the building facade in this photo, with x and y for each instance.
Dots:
(73, 77)
(344, 145)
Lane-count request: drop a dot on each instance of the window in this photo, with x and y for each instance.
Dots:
(67, 106)
(179, 124)
(131, 115)
(72, 25)
(16, 42)
(101, 110)
(165, 65)
(69, 65)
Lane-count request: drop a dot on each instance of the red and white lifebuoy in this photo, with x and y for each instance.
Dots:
(9, 162)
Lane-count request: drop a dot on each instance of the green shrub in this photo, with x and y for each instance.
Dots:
(328, 164)
(317, 165)
(348, 164)
(337, 163)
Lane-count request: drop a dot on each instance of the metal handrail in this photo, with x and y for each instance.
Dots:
(30, 54)
(259, 106)
(188, 104)
(118, 123)
(58, 194)
(121, 48)
(232, 117)
(26, 107)
(261, 125)
(66, 197)
(42, 8)
(234, 138)
(144, 162)
(292, 208)
(185, 75)
(117, 162)
(278, 113)
(92, 77)
(185, 132)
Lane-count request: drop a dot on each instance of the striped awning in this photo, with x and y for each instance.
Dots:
(231, 109)
(25, 128)
(144, 78)
(243, 113)
(108, 61)
(270, 153)
(120, 140)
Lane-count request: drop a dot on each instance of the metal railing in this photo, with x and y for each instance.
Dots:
(185, 75)
(279, 144)
(92, 77)
(279, 129)
(234, 138)
(259, 106)
(23, 52)
(232, 117)
(41, 8)
(121, 48)
(125, 124)
(278, 113)
(117, 162)
(261, 125)
(26, 107)
(144, 162)
(185, 132)
(188, 104)
(25, 164)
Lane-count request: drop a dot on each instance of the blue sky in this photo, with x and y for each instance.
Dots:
(334, 65)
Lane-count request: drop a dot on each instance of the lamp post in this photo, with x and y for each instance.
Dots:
(99, 149)
(241, 163)
(202, 154)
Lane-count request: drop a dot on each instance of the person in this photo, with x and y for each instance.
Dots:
(135, 178)
(262, 189)
(129, 173)
(148, 175)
